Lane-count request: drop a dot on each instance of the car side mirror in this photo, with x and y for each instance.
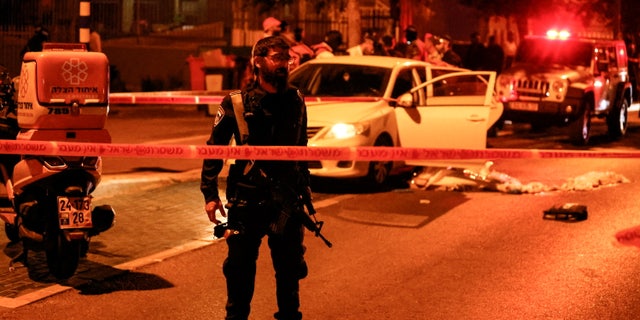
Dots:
(406, 101)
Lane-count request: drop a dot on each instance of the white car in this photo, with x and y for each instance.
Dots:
(387, 101)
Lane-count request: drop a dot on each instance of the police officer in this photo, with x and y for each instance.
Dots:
(275, 115)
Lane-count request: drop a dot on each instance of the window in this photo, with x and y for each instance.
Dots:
(471, 85)
(404, 83)
(338, 80)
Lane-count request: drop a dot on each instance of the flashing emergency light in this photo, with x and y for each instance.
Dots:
(561, 35)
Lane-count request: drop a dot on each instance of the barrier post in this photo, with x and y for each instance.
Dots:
(84, 22)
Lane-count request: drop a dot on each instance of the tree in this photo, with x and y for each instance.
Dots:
(354, 25)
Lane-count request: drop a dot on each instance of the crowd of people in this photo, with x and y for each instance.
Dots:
(437, 50)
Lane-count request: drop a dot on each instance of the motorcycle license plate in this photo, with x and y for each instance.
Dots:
(74, 212)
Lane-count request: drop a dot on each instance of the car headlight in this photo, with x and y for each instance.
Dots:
(558, 87)
(346, 130)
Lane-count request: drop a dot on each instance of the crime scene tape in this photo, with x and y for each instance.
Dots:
(166, 97)
(198, 97)
(55, 148)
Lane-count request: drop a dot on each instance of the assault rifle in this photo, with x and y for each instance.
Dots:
(296, 211)
(312, 225)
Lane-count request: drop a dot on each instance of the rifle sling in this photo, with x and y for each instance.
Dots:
(238, 110)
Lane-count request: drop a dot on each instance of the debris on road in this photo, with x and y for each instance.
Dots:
(571, 212)
(593, 180)
(488, 179)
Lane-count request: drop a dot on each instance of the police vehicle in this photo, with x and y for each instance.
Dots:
(560, 80)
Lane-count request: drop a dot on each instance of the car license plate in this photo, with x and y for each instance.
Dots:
(525, 106)
(74, 212)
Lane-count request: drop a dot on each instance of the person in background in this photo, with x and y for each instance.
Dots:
(384, 46)
(257, 191)
(301, 48)
(494, 58)
(271, 27)
(510, 49)
(633, 57)
(330, 46)
(362, 49)
(285, 33)
(95, 41)
(415, 46)
(431, 53)
(474, 57)
(449, 56)
(299, 36)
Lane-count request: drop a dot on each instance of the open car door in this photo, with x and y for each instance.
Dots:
(455, 114)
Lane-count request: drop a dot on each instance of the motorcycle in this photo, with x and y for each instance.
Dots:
(61, 94)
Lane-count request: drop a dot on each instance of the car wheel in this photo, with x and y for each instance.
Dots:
(617, 119)
(580, 129)
(379, 170)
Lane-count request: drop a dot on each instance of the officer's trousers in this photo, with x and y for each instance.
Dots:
(287, 254)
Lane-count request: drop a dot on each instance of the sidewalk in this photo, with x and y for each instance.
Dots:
(157, 215)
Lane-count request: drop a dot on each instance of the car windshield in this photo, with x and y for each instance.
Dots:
(550, 52)
(340, 80)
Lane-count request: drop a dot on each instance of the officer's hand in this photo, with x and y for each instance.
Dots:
(211, 207)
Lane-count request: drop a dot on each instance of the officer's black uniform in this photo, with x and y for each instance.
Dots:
(273, 120)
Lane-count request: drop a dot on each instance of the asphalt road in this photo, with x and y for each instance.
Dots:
(412, 254)
(400, 254)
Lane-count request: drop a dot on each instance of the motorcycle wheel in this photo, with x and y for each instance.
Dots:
(62, 255)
